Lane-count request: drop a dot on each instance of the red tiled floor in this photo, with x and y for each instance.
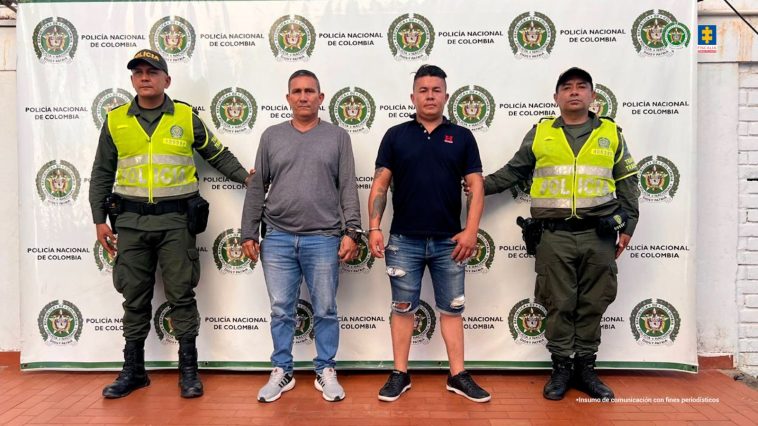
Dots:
(74, 398)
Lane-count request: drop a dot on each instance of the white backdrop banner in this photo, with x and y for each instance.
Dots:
(231, 59)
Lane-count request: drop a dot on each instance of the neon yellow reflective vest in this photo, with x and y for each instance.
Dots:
(564, 181)
(160, 165)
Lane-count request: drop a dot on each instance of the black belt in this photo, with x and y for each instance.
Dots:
(570, 225)
(159, 208)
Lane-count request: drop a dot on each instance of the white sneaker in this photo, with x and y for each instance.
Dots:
(278, 382)
(327, 383)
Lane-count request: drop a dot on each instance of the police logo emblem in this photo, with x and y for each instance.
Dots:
(234, 110)
(228, 254)
(363, 262)
(164, 324)
(105, 262)
(424, 324)
(532, 35)
(304, 331)
(58, 182)
(55, 40)
(655, 322)
(648, 33)
(292, 38)
(353, 109)
(659, 179)
(472, 107)
(520, 192)
(174, 38)
(411, 36)
(105, 101)
(603, 143)
(176, 131)
(526, 322)
(60, 322)
(605, 103)
(481, 260)
(676, 35)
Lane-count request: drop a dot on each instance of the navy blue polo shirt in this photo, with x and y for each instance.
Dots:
(426, 171)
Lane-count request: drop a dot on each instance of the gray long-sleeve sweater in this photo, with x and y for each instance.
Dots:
(311, 179)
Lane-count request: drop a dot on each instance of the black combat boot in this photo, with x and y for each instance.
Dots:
(558, 384)
(133, 375)
(189, 381)
(586, 380)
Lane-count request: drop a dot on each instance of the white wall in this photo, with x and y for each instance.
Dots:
(727, 283)
(717, 208)
(9, 248)
(747, 283)
(710, 7)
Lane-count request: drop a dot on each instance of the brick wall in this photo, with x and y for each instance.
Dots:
(747, 278)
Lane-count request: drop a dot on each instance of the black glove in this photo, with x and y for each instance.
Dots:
(113, 208)
(613, 224)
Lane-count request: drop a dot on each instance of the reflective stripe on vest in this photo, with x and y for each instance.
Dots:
(160, 165)
(564, 181)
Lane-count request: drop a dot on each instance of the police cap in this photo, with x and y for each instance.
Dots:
(570, 73)
(150, 57)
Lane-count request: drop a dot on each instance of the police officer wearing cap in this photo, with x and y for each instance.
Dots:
(145, 177)
(585, 200)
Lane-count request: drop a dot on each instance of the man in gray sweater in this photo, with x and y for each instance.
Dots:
(312, 221)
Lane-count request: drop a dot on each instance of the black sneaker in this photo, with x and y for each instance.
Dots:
(463, 384)
(396, 385)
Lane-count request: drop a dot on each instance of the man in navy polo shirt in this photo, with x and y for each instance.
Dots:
(426, 158)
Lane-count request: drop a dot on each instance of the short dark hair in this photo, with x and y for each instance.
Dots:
(303, 73)
(427, 70)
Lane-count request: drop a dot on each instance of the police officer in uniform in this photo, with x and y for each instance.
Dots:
(146, 150)
(585, 199)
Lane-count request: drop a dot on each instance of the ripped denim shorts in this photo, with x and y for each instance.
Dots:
(407, 257)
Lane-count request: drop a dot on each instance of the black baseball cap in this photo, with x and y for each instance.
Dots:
(573, 72)
(150, 57)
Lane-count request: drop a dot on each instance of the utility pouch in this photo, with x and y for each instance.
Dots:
(113, 207)
(197, 214)
(610, 226)
(531, 232)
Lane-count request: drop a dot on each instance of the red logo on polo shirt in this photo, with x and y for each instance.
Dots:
(448, 139)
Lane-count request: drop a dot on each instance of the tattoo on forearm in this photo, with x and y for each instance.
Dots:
(380, 201)
(379, 171)
(469, 197)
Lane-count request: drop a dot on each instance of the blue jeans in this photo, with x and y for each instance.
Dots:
(287, 259)
(406, 259)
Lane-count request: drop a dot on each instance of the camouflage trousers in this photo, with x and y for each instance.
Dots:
(576, 281)
(139, 254)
